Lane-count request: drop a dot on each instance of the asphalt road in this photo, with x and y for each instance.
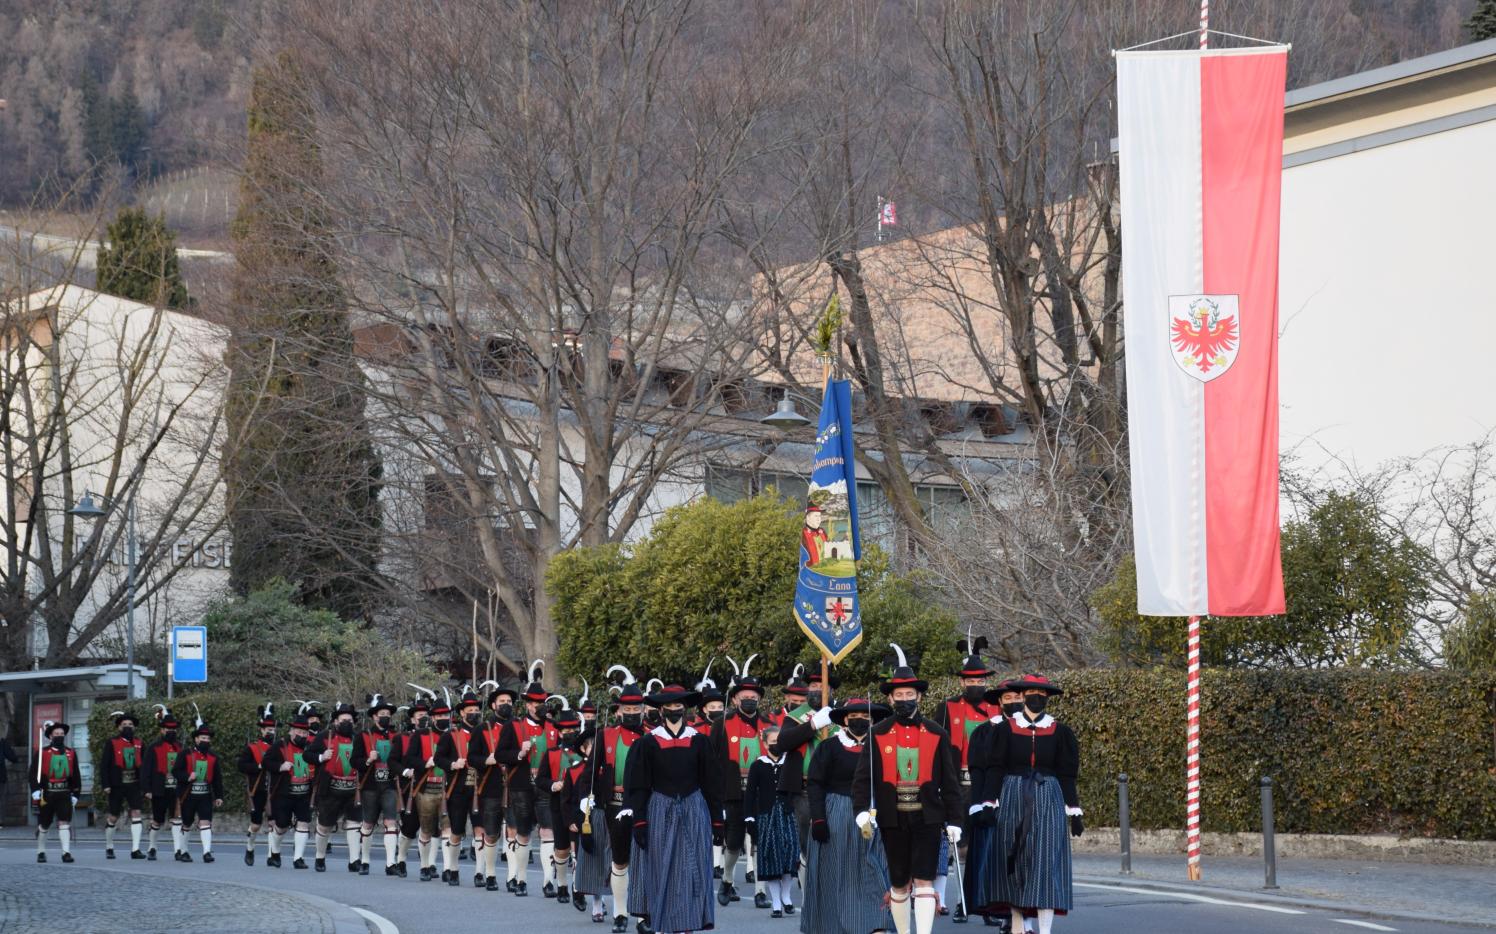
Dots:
(124, 895)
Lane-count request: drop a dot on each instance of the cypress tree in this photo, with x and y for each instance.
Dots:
(138, 260)
(301, 473)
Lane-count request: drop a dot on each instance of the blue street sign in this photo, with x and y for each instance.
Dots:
(189, 654)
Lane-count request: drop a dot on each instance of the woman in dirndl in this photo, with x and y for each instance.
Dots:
(589, 829)
(846, 875)
(672, 792)
(770, 819)
(1030, 774)
(1004, 700)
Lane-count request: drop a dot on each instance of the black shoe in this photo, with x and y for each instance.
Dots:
(958, 916)
(273, 861)
(208, 857)
(477, 880)
(643, 927)
(749, 877)
(620, 924)
(41, 857)
(299, 864)
(492, 884)
(363, 869)
(942, 911)
(579, 901)
(548, 890)
(509, 885)
(455, 878)
(400, 869)
(761, 900)
(425, 875)
(151, 854)
(67, 857)
(321, 863)
(724, 894)
(186, 857)
(521, 888)
(563, 895)
(992, 921)
(776, 913)
(390, 871)
(355, 866)
(136, 854)
(789, 909)
(717, 872)
(732, 892)
(249, 857)
(109, 853)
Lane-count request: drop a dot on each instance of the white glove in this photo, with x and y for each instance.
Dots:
(953, 833)
(975, 808)
(864, 819)
(626, 812)
(750, 820)
(75, 800)
(36, 796)
(1073, 812)
(587, 805)
(821, 718)
(408, 773)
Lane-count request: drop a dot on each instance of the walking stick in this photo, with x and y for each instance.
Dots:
(960, 883)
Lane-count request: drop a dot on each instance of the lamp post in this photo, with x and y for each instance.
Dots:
(785, 416)
(88, 509)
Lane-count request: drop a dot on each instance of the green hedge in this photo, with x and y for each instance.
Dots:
(233, 717)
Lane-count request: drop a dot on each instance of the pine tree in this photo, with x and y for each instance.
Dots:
(301, 472)
(138, 260)
(1482, 23)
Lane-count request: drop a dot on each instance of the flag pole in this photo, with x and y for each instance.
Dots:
(1204, 24)
(1192, 754)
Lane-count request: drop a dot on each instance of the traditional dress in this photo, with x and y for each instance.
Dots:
(55, 791)
(293, 778)
(379, 799)
(458, 745)
(770, 815)
(960, 716)
(672, 791)
(983, 846)
(251, 765)
(846, 875)
(427, 795)
(529, 808)
(607, 797)
(337, 753)
(119, 775)
(200, 776)
(735, 745)
(161, 785)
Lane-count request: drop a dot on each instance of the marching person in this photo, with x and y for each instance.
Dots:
(985, 849)
(55, 786)
(844, 871)
(256, 783)
(709, 712)
(200, 778)
(501, 701)
(960, 716)
(161, 783)
(908, 773)
(522, 747)
(410, 824)
(608, 790)
(769, 817)
(119, 771)
(671, 794)
(800, 732)
(337, 758)
(489, 793)
(379, 801)
(549, 782)
(293, 778)
(736, 746)
(590, 836)
(428, 786)
(1030, 779)
(452, 757)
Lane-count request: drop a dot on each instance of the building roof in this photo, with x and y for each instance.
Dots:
(31, 680)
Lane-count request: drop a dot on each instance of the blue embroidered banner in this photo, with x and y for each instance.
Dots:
(826, 590)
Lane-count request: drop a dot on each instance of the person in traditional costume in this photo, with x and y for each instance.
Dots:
(119, 778)
(608, 786)
(428, 787)
(550, 779)
(379, 801)
(293, 779)
(200, 778)
(55, 785)
(960, 716)
(984, 847)
(501, 701)
(488, 794)
(801, 729)
(161, 783)
(589, 827)
(736, 745)
(672, 796)
(411, 763)
(454, 757)
(908, 786)
(769, 813)
(709, 712)
(337, 758)
(846, 874)
(256, 780)
(1029, 781)
(522, 747)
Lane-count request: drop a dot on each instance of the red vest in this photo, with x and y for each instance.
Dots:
(166, 760)
(613, 737)
(200, 768)
(901, 736)
(964, 722)
(58, 768)
(743, 745)
(341, 765)
(128, 770)
(543, 738)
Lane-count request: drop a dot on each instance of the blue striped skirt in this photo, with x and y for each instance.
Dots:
(594, 868)
(777, 847)
(846, 878)
(671, 882)
(1027, 862)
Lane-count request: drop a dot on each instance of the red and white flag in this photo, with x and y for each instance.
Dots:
(888, 215)
(1201, 139)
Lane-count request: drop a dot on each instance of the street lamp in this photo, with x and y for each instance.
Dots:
(785, 416)
(88, 509)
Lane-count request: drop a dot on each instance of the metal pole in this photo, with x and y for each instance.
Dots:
(1124, 814)
(1192, 754)
(130, 606)
(1269, 848)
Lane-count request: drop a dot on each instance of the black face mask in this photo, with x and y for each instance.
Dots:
(268, 736)
(858, 727)
(127, 732)
(633, 721)
(906, 709)
(652, 717)
(471, 719)
(569, 737)
(748, 706)
(298, 741)
(170, 736)
(504, 711)
(1036, 703)
(442, 724)
(202, 747)
(674, 716)
(715, 715)
(1012, 707)
(423, 723)
(57, 742)
(314, 727)
(384, 723)
(974, 693)
(345, 728)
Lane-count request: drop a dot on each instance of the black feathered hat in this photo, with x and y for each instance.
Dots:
(973, 666)
(903, 674)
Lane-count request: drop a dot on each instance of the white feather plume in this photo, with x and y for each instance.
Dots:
(488, 682)
(799, 671)
(585, 689)
(748, 663)
(530, 674)
(628, 676)
(565, 705)
(161, 710)
(903, 662)
(198, 714)
(649, 686)
(736, 671)
(420, 690)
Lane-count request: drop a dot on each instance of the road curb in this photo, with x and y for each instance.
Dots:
(1262, 896)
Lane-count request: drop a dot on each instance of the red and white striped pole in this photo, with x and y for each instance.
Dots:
(1204, 24)
(1192, 755)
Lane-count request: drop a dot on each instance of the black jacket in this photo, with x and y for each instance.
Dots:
(1019, 748)
(764, 778)
(939, 796)
(832, 770)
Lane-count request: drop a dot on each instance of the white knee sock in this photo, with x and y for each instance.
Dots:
(390, 850)
(449, 855)
(178, 839)
(619, 882)
(898, 906)
(402, 847)
(548, 861)
(924, 909)
(323, 839)
(109, 836)
(272, 842)
(717, 857)
(41, 839)
(249, 839)
(730, 864)
(205, 836)
(1046, 920)
(298, 845)
(151, 837)
(366, 846)
(65, 837)
(786, 889)
(518, 854)
(1017, 914)
(492, 853)
(776, 894)
(426, 851)
(135, 829)
(352, 837)
(598, 905)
